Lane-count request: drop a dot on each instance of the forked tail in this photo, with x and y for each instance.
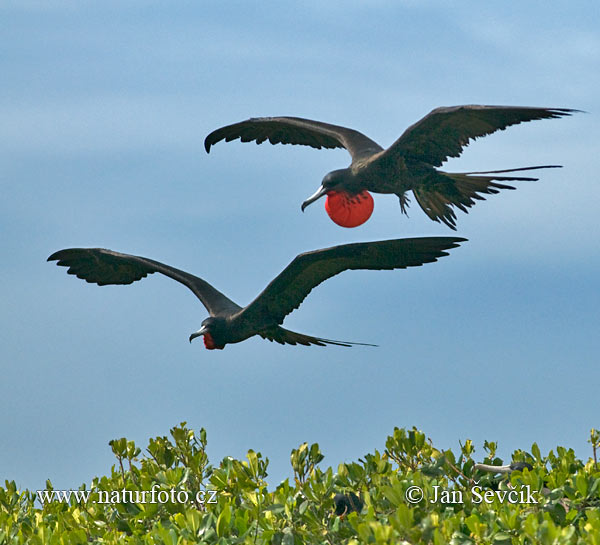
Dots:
(285, 336)
(443, 190)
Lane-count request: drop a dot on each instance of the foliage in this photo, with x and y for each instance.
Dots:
(179, 507)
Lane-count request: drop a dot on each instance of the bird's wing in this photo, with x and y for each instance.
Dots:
(104, 267)
(286, 292)
(444, 132)
(294, 130)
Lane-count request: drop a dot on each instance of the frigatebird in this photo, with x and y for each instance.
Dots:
(407, 165)
(347, 503)
(509, 468)
(228, 322)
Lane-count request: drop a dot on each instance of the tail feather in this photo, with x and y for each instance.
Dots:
(285, 336)
(443, 190)
(514, 170)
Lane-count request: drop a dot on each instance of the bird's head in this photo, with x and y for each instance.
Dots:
(344, 207)
(213, 331)
(333, 181)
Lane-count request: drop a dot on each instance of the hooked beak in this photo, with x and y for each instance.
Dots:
(493, 469)
(320, 192)
(202, 331)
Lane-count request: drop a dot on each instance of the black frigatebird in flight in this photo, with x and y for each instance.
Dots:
(407, 165)
(230, 323)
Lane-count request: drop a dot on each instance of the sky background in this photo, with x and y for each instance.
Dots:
(104, 110)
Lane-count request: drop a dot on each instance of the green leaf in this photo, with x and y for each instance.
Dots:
(581, 483)
(288, 537)
(223, 521)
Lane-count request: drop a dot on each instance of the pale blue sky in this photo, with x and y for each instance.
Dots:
(105, 107)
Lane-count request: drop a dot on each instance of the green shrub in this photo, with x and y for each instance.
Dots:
(172, 495)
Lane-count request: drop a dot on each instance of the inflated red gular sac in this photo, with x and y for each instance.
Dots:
(349, 210)
(209, 343)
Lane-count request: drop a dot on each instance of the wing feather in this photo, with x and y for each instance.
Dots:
(287, 291)
(295, 130)
(104, 267)
(444, 132)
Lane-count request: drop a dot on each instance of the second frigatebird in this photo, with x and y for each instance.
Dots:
(228, 322)
(407, 165)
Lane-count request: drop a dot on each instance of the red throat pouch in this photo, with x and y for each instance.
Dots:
(209, 343)
(349, 210)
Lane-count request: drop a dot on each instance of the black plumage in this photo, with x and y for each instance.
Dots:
(231, 323)
(347, 503)
(409, 163)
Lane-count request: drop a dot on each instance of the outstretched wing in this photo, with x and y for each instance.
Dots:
(104, 267)
(444, 132)
(286, 292)
(294, 130)
(285, 336)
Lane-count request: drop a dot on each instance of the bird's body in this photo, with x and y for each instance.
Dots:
(230, 323)
(410, 163)
(347, 503)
